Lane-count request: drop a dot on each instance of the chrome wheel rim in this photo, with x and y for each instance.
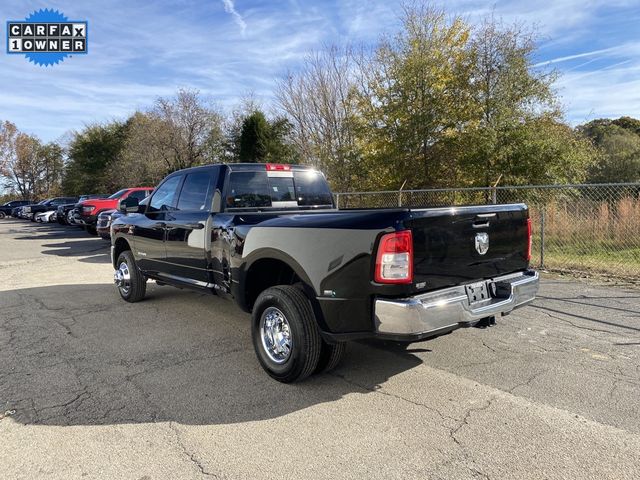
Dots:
(122, 278)
(276, 335)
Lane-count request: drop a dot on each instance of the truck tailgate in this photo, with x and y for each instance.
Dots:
(449, 243)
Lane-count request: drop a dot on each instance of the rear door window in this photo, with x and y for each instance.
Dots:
(196, 191)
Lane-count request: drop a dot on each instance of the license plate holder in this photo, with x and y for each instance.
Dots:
(478, 292)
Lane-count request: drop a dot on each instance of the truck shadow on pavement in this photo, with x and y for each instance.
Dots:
(79, 355)
(80, 248)
(47, 231)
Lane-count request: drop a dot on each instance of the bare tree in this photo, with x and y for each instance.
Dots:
(177, 132)
(8, 134)
(318, 101)
(30, 169)
(189, 132)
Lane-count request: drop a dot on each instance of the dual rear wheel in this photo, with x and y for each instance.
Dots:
(286, 337)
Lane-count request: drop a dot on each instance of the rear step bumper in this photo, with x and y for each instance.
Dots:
(431, 314)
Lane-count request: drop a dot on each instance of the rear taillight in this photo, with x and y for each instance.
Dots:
(394, 262)
(529, 240)
(272, 167)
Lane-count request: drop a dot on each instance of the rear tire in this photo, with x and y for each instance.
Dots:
(330, 356)
(285, 334)
(129, 280)
(2, 215)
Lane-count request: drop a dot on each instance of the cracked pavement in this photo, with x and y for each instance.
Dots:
(93, 387)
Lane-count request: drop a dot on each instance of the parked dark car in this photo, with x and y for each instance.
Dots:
(313, 277)
(103, 227)
(63, 215)
(48, 205)
(6, 208)
(25, 210)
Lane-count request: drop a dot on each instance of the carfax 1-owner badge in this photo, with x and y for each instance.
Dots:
(46, 37)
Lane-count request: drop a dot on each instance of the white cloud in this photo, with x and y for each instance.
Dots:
(609, 92)
(229, 7)
(575, 56)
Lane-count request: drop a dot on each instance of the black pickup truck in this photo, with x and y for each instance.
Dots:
(51, 204)
(313, 277)
(6, 208)
(63, 214)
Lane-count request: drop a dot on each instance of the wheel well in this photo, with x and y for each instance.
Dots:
(265, 273)
(120, 246)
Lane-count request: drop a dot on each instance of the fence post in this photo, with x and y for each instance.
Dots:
(337, 200)
(542, 237)
(494, 195)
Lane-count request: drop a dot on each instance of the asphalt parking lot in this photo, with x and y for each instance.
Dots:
(93, 387)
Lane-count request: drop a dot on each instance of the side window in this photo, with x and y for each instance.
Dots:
(139, 194)
(195, 192)
(165, 195)
(248, 189)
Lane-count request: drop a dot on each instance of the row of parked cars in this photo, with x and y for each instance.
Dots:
(92, 212)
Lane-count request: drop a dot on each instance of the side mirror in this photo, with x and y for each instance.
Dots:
(129, 205)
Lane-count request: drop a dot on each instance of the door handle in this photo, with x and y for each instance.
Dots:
(478, 224)
(186, 226)
(195, 226)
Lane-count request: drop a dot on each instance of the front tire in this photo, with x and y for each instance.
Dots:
(130, 282)
(2, 215)
(285, 334)
(92, 230)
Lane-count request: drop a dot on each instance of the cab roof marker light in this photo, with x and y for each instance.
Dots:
(271, 167)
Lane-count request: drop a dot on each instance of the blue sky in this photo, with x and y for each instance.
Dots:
(227, 48)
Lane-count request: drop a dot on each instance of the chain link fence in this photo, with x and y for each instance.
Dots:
(592, 228)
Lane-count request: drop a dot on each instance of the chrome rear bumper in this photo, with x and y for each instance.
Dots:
(443, 310)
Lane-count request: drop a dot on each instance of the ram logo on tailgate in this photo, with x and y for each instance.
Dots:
(482, 242)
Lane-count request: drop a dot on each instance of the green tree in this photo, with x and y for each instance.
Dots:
(90, 153)
(415, 95)
(628, 123)
(254, 138)
(261, 140)
(51, 157)
(512, 104)
(618, 145)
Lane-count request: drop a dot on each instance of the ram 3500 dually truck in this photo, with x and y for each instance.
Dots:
(312, 276)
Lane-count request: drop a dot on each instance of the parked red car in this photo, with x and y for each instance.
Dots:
(88, 211)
